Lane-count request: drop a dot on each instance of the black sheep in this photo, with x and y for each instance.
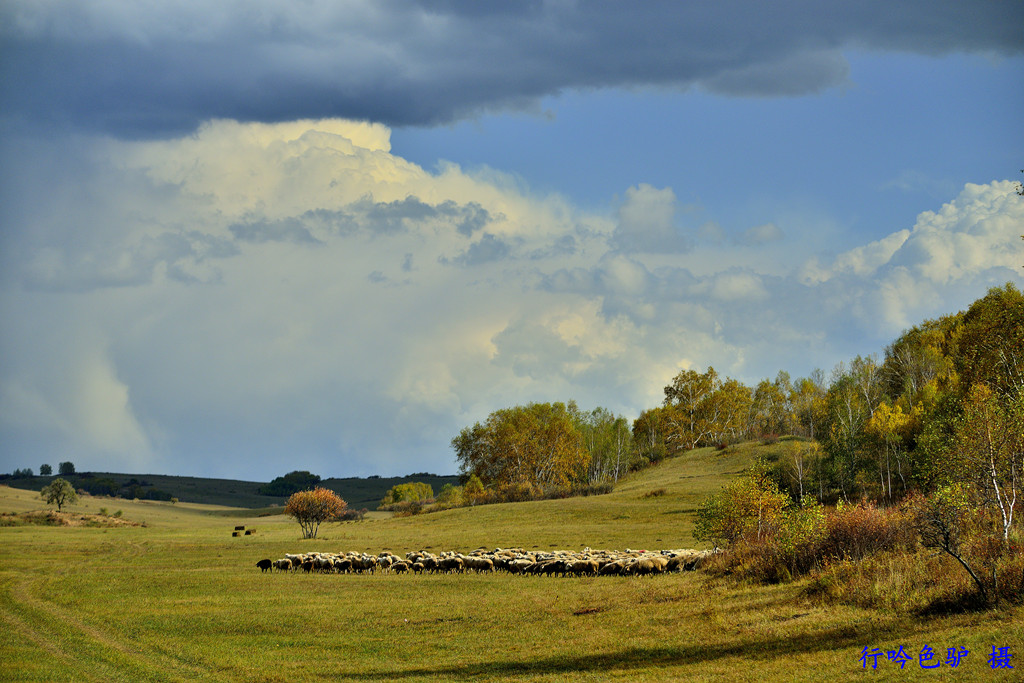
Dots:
(264, 565)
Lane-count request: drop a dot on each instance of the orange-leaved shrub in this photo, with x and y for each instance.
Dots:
(311, 508)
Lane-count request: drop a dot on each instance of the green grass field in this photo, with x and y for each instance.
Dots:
(179, 599)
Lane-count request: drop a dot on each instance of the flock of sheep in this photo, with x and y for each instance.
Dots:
(513, 560)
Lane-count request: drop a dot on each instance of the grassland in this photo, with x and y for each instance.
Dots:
(180, 599)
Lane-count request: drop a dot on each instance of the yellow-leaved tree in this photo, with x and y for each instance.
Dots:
(537, 445)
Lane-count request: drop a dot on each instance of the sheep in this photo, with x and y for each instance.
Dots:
(588, 562)
(582, 568)
(479, 564)
(612, 568)
(452, 564)
(519, 566)
(645, 565)
(552, 567)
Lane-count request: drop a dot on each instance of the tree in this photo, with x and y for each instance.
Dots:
(537, 445)
(450, 496)
(649, 434)
(772, 409)
(808, 401)
(59, 492)
(990, 342)
(608, 440)
(733, 405)
(473, 490)
(299, 480)
(693, 413)
(847, 414)
(799, 461)
(311, 508)
(66, 468)
(941, 520)
(45, 470)
(989, 440)
(411, 492)
(889, 426)
(748, 507)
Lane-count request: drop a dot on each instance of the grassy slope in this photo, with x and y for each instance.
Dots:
(181, 600)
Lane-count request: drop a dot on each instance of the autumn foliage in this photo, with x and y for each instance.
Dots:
(537, 445)
(311, 508)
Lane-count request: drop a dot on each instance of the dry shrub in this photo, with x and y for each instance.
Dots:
(895, 580)
(785, 546)
(854, 532)
(922, 581)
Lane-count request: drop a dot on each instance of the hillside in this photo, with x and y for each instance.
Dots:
(357, 492)
(651, 508)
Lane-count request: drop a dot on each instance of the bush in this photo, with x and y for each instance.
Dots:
(351, 515)
(407, 508)
(856, 531)
(311, 508)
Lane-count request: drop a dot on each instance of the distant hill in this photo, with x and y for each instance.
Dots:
(358, 492)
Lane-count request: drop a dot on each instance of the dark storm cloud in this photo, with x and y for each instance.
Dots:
(163, 69)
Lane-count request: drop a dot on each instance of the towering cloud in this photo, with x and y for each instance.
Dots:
(301, 292)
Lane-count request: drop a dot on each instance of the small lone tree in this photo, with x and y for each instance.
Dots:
(66, 468)
(941, 520)
(311, 508)
(45, 470)
(59, 491)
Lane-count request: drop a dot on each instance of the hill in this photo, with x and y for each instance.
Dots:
(357, 492)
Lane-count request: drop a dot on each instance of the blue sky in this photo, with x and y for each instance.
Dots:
(251, 237)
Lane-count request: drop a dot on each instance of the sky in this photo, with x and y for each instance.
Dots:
(243, 238)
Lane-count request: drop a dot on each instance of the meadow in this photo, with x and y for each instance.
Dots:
(180, 599)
